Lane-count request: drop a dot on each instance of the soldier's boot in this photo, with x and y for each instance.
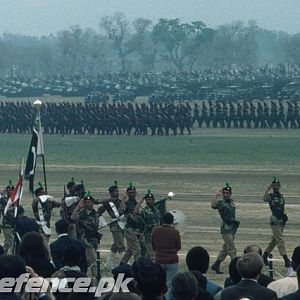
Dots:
(265, 258)
(287, 262)
(216, 267)
(110, 261)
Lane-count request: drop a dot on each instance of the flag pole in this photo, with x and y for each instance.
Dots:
(40, 149)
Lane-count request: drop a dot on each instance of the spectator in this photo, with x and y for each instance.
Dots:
(202, 293)
(150, 277)
(249, 266)
(32, 249)
(24, 224)
(234, 275)
(184, 286)
(63, 240)
(166, 242)
(295, 295)
(197, 259)
(289, 284)
(11, 266)
(263, 280)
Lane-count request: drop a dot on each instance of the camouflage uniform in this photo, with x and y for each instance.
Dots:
(277, 222)
(117, 232)
(7, 226)
(46, 209)
(228, 228)
(151, 216)
(134, 230)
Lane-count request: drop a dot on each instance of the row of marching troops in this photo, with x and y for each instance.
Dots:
(130, 220)
(148, 118)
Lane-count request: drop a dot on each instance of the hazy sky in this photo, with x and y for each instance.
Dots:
(42, 17)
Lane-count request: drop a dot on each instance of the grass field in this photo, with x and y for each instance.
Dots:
(193, 167)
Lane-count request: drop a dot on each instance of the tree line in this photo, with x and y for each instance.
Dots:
(144, 46)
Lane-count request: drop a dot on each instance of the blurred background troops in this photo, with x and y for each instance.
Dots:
(277, 221)
(135, 225)
(7, 218)
(152, 218)
(42, 206)
(88, 220)
(69, 203)
(229, 225)
(113, 208)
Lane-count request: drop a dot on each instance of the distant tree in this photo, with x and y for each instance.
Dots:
(116, 28)
(181, 41)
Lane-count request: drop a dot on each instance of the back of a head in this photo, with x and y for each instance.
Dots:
(32, 244)
(150, 277)
(296, 258)
(11, 266)
(250, 265)
(234, 274)
(253, 249)
(184, 286)
(197, 259)
(61, 226)
(168, 218)
(71, 256)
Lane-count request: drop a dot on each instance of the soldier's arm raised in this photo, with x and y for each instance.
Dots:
(266, 194)
(80, 205)
(214, 200)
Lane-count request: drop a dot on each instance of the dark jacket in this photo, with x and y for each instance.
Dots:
(57, 248)
(292, 296)
(247, 289)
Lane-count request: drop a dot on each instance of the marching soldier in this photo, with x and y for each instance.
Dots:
(152, 217)
(113, 208)
(7, 218)
(135, 226)
(229, 225)
(42, 206)
(88, 219)
(277, 221)
(69, 203)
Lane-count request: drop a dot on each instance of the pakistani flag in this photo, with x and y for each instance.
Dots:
(36, 148)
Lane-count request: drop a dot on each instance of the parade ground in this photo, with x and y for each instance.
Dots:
(193, 167)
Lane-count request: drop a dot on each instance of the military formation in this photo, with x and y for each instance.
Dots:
(149, 118)
(131, 220)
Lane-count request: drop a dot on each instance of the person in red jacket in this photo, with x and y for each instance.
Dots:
(166, 243)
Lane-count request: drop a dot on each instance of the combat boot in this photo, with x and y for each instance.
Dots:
(265, 258)
(287, 262)
(216, 267)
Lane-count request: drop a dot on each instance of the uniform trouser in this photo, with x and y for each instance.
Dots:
(119, 243)
(277, 240)
(91, 257)
(8, 239)
(72, 232)
(228, 247)
(148, 245)
(133, 240)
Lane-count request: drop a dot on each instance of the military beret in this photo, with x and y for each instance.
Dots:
(113, 187)
(149, 195)
(275, 180)
(71, 183)
(10, 185)
(131, 187)
(227, 187)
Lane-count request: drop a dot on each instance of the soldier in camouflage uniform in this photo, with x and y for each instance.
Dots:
(277, 221)
(113, 208)
(7, 219)
(42, 206)
(229, 225)
(68, 207)
(152, 217)
(88, 219)
(135, 226)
